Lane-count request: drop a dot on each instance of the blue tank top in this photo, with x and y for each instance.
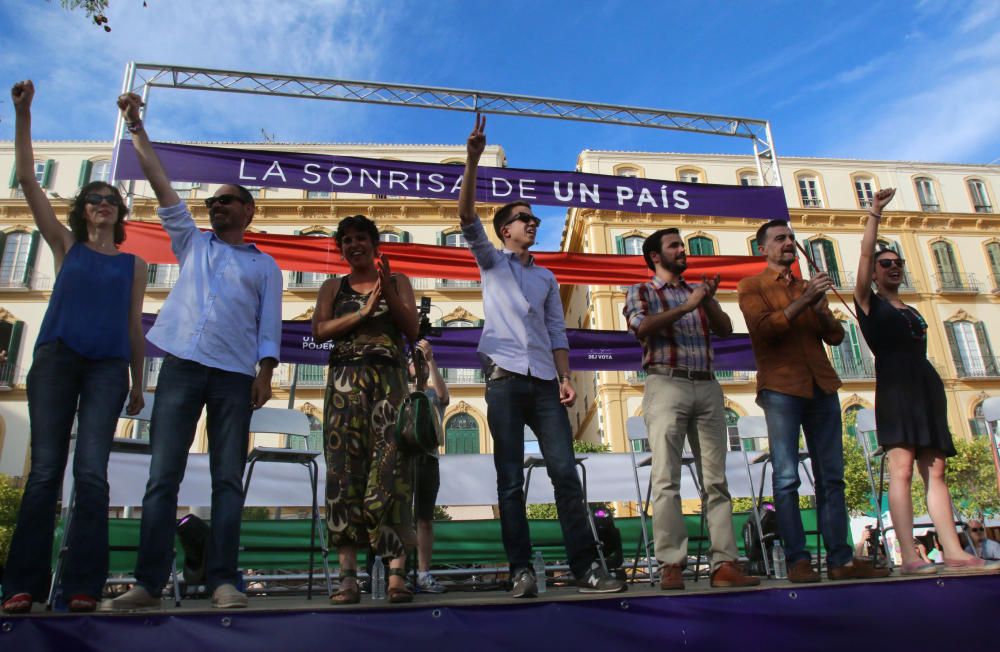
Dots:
(88, 310)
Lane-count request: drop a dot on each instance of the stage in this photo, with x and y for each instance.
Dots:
(889, 614)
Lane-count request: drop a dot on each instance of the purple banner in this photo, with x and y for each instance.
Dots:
(455, 348)
(320, 172)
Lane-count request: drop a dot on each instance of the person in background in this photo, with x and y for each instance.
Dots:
(982, 547)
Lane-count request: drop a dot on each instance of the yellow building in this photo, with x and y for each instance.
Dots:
(941, 221)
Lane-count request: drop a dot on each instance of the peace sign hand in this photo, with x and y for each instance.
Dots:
(477, 139)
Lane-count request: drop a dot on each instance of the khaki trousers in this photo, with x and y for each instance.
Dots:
(675, 408)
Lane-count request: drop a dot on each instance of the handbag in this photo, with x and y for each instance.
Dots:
(417, 428)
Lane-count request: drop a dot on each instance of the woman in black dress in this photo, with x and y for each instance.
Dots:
(911, 410)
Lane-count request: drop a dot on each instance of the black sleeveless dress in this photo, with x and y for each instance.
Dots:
(910, 404)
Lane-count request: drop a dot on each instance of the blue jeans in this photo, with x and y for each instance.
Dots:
(182, 389)
(819, 418)
(512, 403)
(59, 377)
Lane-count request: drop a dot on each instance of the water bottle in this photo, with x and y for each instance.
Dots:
(539, 568)
(778, 561)
(378, 579)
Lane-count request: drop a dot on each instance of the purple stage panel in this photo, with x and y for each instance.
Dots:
(921, 614)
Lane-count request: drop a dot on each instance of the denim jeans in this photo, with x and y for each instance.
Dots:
(512, 403)
(819, 418)
(59, 377)
(182, 389)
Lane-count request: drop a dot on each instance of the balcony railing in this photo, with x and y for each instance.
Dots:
(305, 282)
(309, 375)
(955, 282)
(841, 280)
(445, 284)
(983, 367)
(157, 280)
(736, 376)
(462, 376)
(849, 369)
(12, 278)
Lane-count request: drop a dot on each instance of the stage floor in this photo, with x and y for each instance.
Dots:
(778, 615)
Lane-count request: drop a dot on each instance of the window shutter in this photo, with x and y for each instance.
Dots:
(480, 322)
(85, 169)
(831, 260)
(984, 345)
(956, 355)
(753, 248)
(619, 244)
(14, 347)
(47, 174)
(32, 254)
(404, 236)
(13, 176)
(440, 238)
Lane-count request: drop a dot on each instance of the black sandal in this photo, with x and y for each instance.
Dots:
(399, 595)
(347, 594)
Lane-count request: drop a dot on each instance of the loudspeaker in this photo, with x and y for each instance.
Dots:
(610, 536)
(193, 534)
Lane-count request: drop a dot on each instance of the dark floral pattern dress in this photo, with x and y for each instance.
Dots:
(368, 491)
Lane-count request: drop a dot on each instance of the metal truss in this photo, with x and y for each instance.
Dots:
(140, 77)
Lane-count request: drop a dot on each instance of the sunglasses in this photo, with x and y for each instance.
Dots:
(528, 219)
(95, 199)
(225, 200)
(976, 529)
(886, 263)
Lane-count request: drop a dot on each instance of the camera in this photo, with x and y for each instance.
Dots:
(423, 314)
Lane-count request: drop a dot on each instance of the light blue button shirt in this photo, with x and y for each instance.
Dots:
(524, 314)
(225, 310)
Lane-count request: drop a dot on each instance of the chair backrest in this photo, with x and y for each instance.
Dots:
(865, 420)
(635, 428)
(991, 409)
(282, 421)
(751, 427)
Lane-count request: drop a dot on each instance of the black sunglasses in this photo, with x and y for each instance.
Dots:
(527, 218)
(95, 199)
(976, 529)
(886, 263)
(225, 200)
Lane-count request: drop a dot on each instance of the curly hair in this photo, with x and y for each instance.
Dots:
(78, 215)
(358, 223)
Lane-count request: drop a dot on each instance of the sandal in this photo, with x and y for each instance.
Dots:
(82, 603)
(19, 603)
(970, 565)
(349, 593)
(919, 568)
(399, 595)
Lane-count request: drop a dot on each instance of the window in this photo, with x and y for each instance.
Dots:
(947, 266)
(461, 435)
(970, 349)
(309, 279)
(977, 424)
(310, 375)
(700, 246)
(824, 255)
(927, 195)
(754, 251)
(43, 174)
(852, 358)
(980, 197)
(452, 240)
(864, 190)
(732, 431)
(993, 256)
(626, 171)
(314, 442)
(629, 245)
(162, 276)
(389, 237)
(690, 175)
(317, 194)
(18, 260)
(10, 342)
(254, 191)
(94, 171)
(749, 179)
(184, 189)
(151, 372)
(809, 192)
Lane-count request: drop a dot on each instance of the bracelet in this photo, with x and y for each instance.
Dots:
(877, 216)
(134, 127)
(563, 377)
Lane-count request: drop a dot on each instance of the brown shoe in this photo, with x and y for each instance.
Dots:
(729, 575)
(671, 578)
(859, 569)
(801, 572)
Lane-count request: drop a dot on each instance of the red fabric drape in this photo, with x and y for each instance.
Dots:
(313, 254)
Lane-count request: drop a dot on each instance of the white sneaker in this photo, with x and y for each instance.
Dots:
(226, 596)
(135, 599)
(426, 583)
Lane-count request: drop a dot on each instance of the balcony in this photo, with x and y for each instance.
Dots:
(982, 367)
(462, 376)
(13, 278)
(445, 284)
(841, 280)
(731, 377)
(636, 377)
(161, 277)
(953, 282)
(306, 282)
(854, 369)
(307, 375)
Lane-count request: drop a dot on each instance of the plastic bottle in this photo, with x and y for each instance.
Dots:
(539, 568)
(778, 561)
(378, 579)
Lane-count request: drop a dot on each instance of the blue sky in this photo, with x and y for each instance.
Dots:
(890, 80)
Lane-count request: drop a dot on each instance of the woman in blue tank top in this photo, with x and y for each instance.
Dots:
(89, 339)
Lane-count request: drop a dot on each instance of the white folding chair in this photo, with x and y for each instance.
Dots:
(865, 427)
(292, 423)
(753, 428)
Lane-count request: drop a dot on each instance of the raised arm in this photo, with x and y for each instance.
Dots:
(474, 147)
(130, 103)
(863, 287)
(58, 237)
(434, 378)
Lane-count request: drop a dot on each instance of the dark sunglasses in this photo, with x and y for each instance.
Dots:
(976, 529)
(95, 199)
(886, 263)
(225, 200)
(527, 218)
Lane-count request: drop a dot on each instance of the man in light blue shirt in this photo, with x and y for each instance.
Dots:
(221, 330)
(525, 357)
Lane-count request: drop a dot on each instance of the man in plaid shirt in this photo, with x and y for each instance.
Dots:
(673, 321)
